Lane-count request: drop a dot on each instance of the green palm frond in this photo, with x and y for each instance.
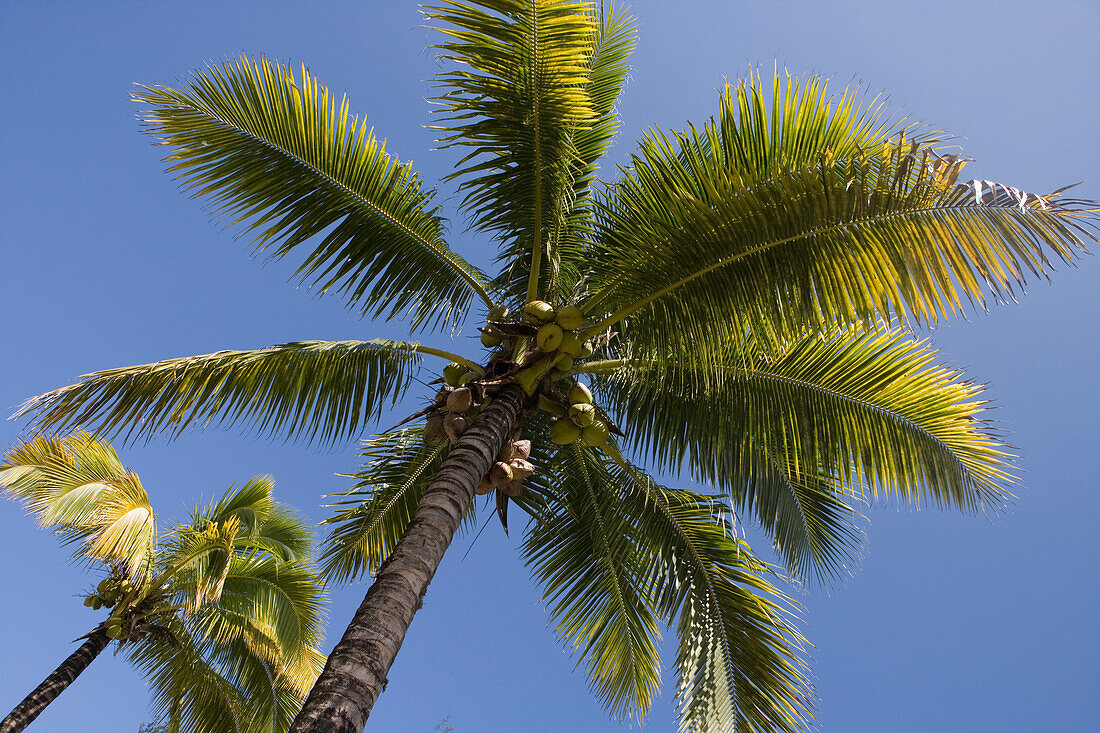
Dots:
(279, 156)
(317, 390)
(372, 516)
(516, 101)
(267, 526)
(799, 437)
(79, 487)
(692, 248)
(582, 550)
(740, 660)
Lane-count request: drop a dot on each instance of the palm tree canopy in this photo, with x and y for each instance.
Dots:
(739, 299)
(223, 614)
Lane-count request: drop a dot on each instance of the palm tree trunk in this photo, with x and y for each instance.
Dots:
(355, 673)
(34, 703)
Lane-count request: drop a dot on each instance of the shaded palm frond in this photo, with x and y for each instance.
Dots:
(801, 437)
(583, 551)
(740, 659)
(372, 516)
(319, 390)
(692, 252)
(79, 487)
(280, 157)
(515, 101)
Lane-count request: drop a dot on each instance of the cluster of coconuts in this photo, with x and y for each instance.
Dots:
(108, 592)
(582, 422)
(511, 467)
(456, 404)
(559, 337)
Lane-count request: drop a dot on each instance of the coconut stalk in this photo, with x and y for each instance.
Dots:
(355, 673)
(33, 704)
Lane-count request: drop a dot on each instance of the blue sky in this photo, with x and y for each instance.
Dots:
(953, 624)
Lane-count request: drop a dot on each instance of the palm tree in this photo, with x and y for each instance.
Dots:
(734, 307)
(222, 614)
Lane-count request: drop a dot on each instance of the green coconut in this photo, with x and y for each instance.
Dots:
(586, 350)
(564, 364)
(596, 434)
(579, 393)
(549, 337)
(570, 317)
(564, 432)
(583, 414)
(453, 372)
(570, 344)
(538, 311)
(490, 340)
(498, 313)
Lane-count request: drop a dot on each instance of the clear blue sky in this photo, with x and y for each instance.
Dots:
(954, 624)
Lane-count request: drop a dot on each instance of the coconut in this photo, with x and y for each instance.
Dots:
(521, 468)
(579, 393)
(549, 337)
(89, 600)
(521, 449)
(570, 344)
(538, 311)
(97, 603)
(564, 364)
(512, 488)
(570, 317)
(485, 487)
(105, 586)
(453, 372)
(500, 473)
(460, 400)
(498, 313)
(564, 432)
(586, 350)
(433, 430)
(489, 341)
(466, 379)
(582, 413)
(454, 425)
(596, 434)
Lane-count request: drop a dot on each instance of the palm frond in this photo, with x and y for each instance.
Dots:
(79, 487)
(319, 390)
(518, 96)
(280, 157)
(266, 525)
(801, 437)
(740, 659)
(372, 516)
(583, 552)
(694, 247)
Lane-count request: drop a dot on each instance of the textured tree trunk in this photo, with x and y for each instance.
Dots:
(34, 703)
(355, 673)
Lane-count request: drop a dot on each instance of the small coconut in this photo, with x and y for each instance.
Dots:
(564, 432)
(460, 400)
(521, 449)
(570, 344)
(89, 600)
(453, 372)
(596, 434)
(586, 350)
(498, 313)
(579, 393)
(433, 430)
(489, 341)
(105, 586)
(549, 337)
(521, 468)
(485, 487)
(582, 413)
(564, 364)
(570, 317)
(500, 473)
(512, 488)
(97, 603)
(454, 425)
(466, 379)
(538, 311)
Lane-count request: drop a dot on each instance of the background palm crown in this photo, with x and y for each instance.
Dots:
(745, 287)
(222, 614)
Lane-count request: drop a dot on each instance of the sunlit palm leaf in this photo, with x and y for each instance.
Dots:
(860, 415)
(693, 247)
(79, 487)
(266, 525)
(583, 551)
(740, 660)
(372, 516)
(318, 390)
(279, 156)
(515, 101)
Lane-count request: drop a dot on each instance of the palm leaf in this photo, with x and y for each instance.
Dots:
(739, 658)
(79, 487)
(320, 390)
(267, 526)
(280, 157)
(582, 550)
(515, 101)
(372, 516)
(694, 247)
(853, 417)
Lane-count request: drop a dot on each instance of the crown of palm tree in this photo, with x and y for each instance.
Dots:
(739, 298)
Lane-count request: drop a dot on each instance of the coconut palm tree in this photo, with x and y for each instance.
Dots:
(733, 307)
(222, 614)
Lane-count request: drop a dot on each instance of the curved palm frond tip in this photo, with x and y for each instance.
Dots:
(734, 307)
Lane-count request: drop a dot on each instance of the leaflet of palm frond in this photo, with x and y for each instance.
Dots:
(281, 159)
